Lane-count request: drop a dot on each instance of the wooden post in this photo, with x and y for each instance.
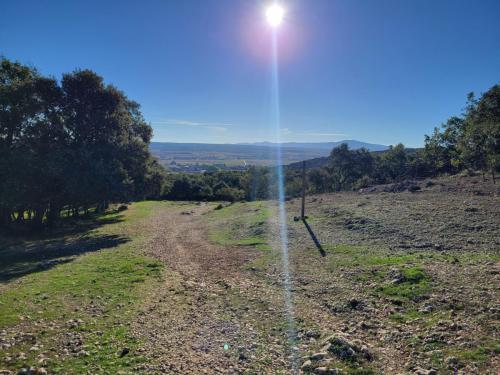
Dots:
(302, 212)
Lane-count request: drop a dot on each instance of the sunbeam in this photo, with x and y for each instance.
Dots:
(276, 124)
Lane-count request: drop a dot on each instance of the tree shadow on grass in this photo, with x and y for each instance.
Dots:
(26, 252)
(22, 259)
(63, 227)
(86, 223)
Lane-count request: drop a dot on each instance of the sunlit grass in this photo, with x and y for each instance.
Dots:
(240, 224)
(110, 280)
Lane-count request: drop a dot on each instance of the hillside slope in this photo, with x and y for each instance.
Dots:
(409, 286)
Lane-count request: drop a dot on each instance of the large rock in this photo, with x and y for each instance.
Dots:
(347, 350)
(307, 366)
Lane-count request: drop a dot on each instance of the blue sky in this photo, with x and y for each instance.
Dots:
(378, 71)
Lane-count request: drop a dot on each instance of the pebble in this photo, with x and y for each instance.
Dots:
(318, 356)
(451, 361)
(326, 371)
(426, 309)
(306, 366)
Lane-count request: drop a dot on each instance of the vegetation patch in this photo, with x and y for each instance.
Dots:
(413, 285)
(479, 354)
(81, 305)
(240, 224)
(371, 257)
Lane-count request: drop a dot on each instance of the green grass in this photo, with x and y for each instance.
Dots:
(240, 224)
(374, 264)
(479, 356)
(414, 285)
(423, 319)
(487, 349)
(362, 256)
(102, 288)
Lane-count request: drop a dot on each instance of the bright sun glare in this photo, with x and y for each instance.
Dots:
(274, 15)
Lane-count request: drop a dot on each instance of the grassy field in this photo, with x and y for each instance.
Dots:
(69, 298)
(409, 285)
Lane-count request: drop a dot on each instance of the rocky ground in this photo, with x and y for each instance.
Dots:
(409, 285)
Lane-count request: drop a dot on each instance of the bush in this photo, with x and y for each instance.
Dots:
(230, 194)
(363, 182)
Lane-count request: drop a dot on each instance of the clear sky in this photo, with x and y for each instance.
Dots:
(377, 71)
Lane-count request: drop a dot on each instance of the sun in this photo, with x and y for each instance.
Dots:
(274, 15)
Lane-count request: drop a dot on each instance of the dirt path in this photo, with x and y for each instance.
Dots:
(182, 242)
(209, 314)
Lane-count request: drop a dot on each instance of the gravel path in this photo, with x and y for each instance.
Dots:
(208, 315)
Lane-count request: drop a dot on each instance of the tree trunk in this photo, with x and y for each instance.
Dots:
(53, 214)
(493, 176)
(38, 218)
(4, 216)
(20, 216)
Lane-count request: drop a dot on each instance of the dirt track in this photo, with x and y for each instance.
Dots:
(205, 304)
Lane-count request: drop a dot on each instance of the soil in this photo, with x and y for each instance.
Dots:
(204, 319)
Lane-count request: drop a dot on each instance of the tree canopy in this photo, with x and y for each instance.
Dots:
(69, 145)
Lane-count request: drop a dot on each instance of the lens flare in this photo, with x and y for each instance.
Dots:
(282, 217)
(274, 15)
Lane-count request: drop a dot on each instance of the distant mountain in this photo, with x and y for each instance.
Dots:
(353, 145)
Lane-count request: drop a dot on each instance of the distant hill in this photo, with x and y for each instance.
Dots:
(353, 145)
(311, 163)
(179, 156)
(325, 160)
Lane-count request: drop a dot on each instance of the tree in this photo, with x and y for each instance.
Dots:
(320, 180)
(480, 143)
(108, 138)
(32, 140)
(77, 144)
(347, 166)
(256, 183)
(393, 164)
(442, 148)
